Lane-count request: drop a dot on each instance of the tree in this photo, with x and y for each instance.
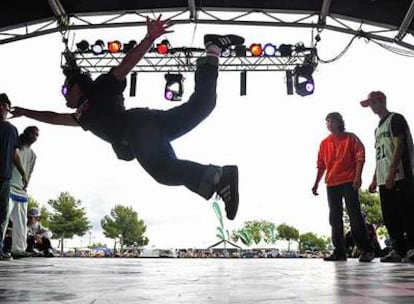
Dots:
(123, 223)
(288, 233)
(310, 241)
(97, 245)
(256, 231)
(67, 218)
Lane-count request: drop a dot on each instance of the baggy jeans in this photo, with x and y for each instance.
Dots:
(149, 133)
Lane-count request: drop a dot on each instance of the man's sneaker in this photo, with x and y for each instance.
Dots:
(4, 256)
(222, 41)
(392, 257)
(367, 256)
(409, 257)
(335, 257)
(228, 190)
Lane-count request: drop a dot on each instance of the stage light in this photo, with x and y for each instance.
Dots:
(289, 82)
(114, 46)
(83, 46)
(256, 49)
(226, 52)
(133, 84)
(269, 49)
(129, 46)
(163, 47)
(304, 84)
(243, 83)
(240, 50)
(300, 47)
(174, 88)
(285, 50)
(98, 47)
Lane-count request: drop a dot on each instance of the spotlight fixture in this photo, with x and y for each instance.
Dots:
(174, 88)
(256, 49)
(243, 83)
(226, 52)
(82, 46)
(163, 47)
(300, 47)
(289, 82)
(304, 84)
(129, 46)
(98, 47)
(269, 49)
(285, 50)
(114, 46)
(240, 51)
(133, 84)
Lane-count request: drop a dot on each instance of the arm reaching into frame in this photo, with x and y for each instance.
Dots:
(63, 119)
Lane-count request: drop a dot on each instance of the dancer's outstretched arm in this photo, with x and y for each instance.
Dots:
(63, 119)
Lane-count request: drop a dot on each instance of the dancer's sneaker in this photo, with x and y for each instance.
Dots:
(228, 190)
(222, 41)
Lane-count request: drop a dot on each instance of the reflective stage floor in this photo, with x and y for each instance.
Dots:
(116, 280)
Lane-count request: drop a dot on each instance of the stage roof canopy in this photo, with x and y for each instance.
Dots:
(386, 20)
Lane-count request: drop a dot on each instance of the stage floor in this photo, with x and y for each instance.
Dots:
(250, 281)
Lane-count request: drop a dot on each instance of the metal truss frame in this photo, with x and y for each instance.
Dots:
(185, 60)
(192, 14)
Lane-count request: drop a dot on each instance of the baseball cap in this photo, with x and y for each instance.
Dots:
(4, 98)
(34, 212)
(374, 95)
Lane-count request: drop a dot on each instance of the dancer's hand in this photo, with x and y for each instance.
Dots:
(373, 187)
(315, 189)
(158, 27)
(16, 112)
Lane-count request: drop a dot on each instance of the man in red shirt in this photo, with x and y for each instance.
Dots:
(342, 156)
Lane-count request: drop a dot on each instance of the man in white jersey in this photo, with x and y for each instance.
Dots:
(394, 176)
(17, 212)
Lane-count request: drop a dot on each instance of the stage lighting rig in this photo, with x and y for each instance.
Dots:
(303, 80)
(174, 87)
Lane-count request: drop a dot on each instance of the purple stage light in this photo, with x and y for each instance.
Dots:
(169, 95)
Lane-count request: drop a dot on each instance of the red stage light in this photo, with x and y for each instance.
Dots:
(114, 46)
(256, 49)
(163, 47)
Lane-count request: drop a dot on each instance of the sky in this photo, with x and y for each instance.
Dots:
(271, 136)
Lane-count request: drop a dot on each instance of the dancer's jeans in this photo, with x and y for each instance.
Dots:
(150, 132)
(358, 225)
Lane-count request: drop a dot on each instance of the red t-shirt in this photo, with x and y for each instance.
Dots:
(338, 155)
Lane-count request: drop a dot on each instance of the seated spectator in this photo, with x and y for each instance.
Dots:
(38, 237)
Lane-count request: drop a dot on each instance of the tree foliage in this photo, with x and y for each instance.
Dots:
(310, 241)
(255, 231)
(124, 222)
(68, 218)
(371, 205)
(287, 233)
